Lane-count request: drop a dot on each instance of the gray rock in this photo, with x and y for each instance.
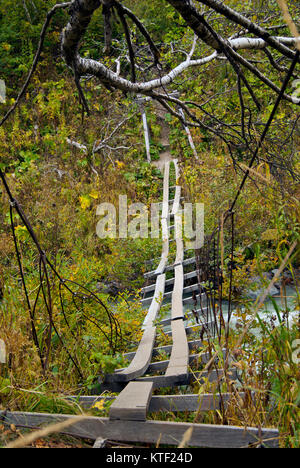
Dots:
(259, 288)
(109, 287)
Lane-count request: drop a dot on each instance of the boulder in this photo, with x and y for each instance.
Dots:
(109, 287)
(258, 286)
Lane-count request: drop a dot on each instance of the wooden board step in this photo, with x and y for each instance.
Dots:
(168, 294)
(186, 262)
(187, 316)
(160, 366)
(179, 359)
(160, 381)
(175, 403)
(207, 327)
(133, 402)
(194, 344)
(167, 433)
(170, 282)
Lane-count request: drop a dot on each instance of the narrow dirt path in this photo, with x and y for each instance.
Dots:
(165, 156)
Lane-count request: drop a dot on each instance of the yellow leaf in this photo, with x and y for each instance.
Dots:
(94, 194)
(120, 164)
(85, 202)
(99, 405)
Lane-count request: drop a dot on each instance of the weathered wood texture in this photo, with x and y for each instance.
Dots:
(170, 433)
(187, 316)
(160, 381)
(207, 327)
(133, 402)
(179, 360)
(141, 360)
(195, 344)
(186, 262)
(146, 133)
(175, 403)
(170, 282)
(165, 209)
(165, 249)
(168, 294)
(176, 204)
(156, 301)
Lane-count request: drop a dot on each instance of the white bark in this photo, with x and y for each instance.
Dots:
(237, 18)
(146, 134)
(82, 11)
(189, 135)
(77, 145)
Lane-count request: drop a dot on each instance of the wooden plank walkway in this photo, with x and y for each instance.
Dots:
(136, 399)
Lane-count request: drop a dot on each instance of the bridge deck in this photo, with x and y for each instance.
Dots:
(137, 382)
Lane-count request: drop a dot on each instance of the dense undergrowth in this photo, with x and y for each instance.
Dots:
(60, 185)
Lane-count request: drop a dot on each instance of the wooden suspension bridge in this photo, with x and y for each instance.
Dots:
(138, 385)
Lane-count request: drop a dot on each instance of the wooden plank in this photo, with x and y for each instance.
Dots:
(195, 344)
(174, 403)
(165, 250)
(189, 135)
(177, 308)
(160, 366)
(187, 316)
(146, 133)
(171, 201)
(140, 362)
(170, 433)
(160, 381)
(178, 237)
(168, 294)
(170, 282)
(190, 402)
(179, 359)
(99, 443)
(2, 352)
(133, 402)
(176, 204)
(207, 327)
(186, 262)
(156, 301)
(165, 204)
